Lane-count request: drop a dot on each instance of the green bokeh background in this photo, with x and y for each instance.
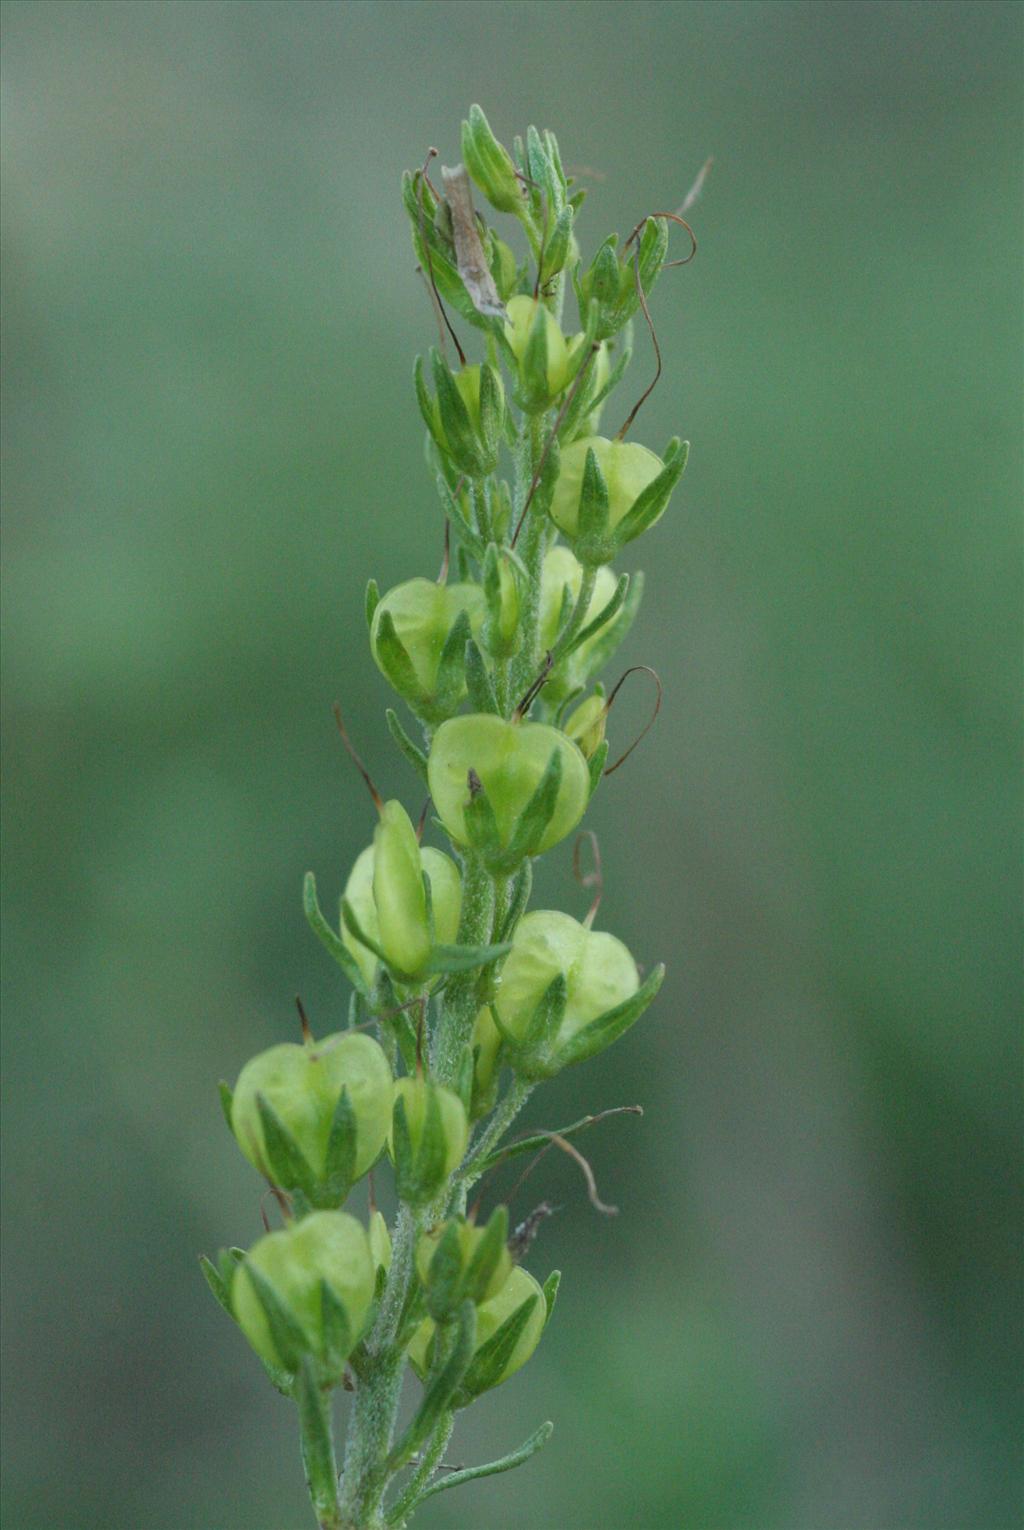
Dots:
(807, 1315)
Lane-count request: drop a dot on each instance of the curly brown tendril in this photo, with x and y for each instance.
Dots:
(633, 670)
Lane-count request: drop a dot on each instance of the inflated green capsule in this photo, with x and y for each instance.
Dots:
(459, 1261)
(428, 1137)
(566, 992)
(609, 492)
(586, 725)
(626, 467)
(520, 1302)
(314, 1117)
(306, 1291)
(560, 581)
(506, 763)
(386, 896)
(418, 636)
(540, 349)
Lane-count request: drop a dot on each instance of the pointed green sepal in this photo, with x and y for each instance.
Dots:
(536, 815)
(491, 1360)
(340, 1160)
(600, 1033)
(464, 958)
(283, 1160)
(550, 1289)
(649, 506)
(287, 1337)
(415, 756)
(226, 1097)
(216, 1284)
(337, 1333)
(372, 600)
(478, 681)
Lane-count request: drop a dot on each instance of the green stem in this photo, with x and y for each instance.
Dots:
(532, 549)
(461, 993)
(497, 1126)
(425, 1469)
(372, 1424)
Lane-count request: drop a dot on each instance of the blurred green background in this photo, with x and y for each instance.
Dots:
(808, 1314)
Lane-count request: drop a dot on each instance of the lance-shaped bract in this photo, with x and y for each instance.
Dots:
(466, 416)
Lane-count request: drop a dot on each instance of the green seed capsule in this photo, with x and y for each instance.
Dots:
(459, 1261)
(386, 894)
(586, 725)
(509, 761)
(520, 1288)
(540, 350)
(410, 627)
(627, 469)
(328, 1248)
(428, 1137)
(599, 973)
(302, 1085)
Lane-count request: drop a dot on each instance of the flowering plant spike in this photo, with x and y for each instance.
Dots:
(463, 998)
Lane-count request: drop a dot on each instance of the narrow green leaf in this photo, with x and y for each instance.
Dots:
(650, 504)
(491, 1468)
(329, 937)
(603, 617)
(317, 1446)
(394, 660)
(415, 756)
(522, 886)
(596, 765)
(357, 932)
(611, 638)
(450, 683)
(464, 958)
(538, 812)
(550, 1289)
(216, 1284)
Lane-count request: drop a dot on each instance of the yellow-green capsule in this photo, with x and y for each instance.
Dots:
(302, 1084)
(599, 971)
(560, 581)
(328, 1247)
(627, 469)
(586, 725)
(520, 1287)
(386, 893)
(523, 314)
(509, 760)
(423, 614)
